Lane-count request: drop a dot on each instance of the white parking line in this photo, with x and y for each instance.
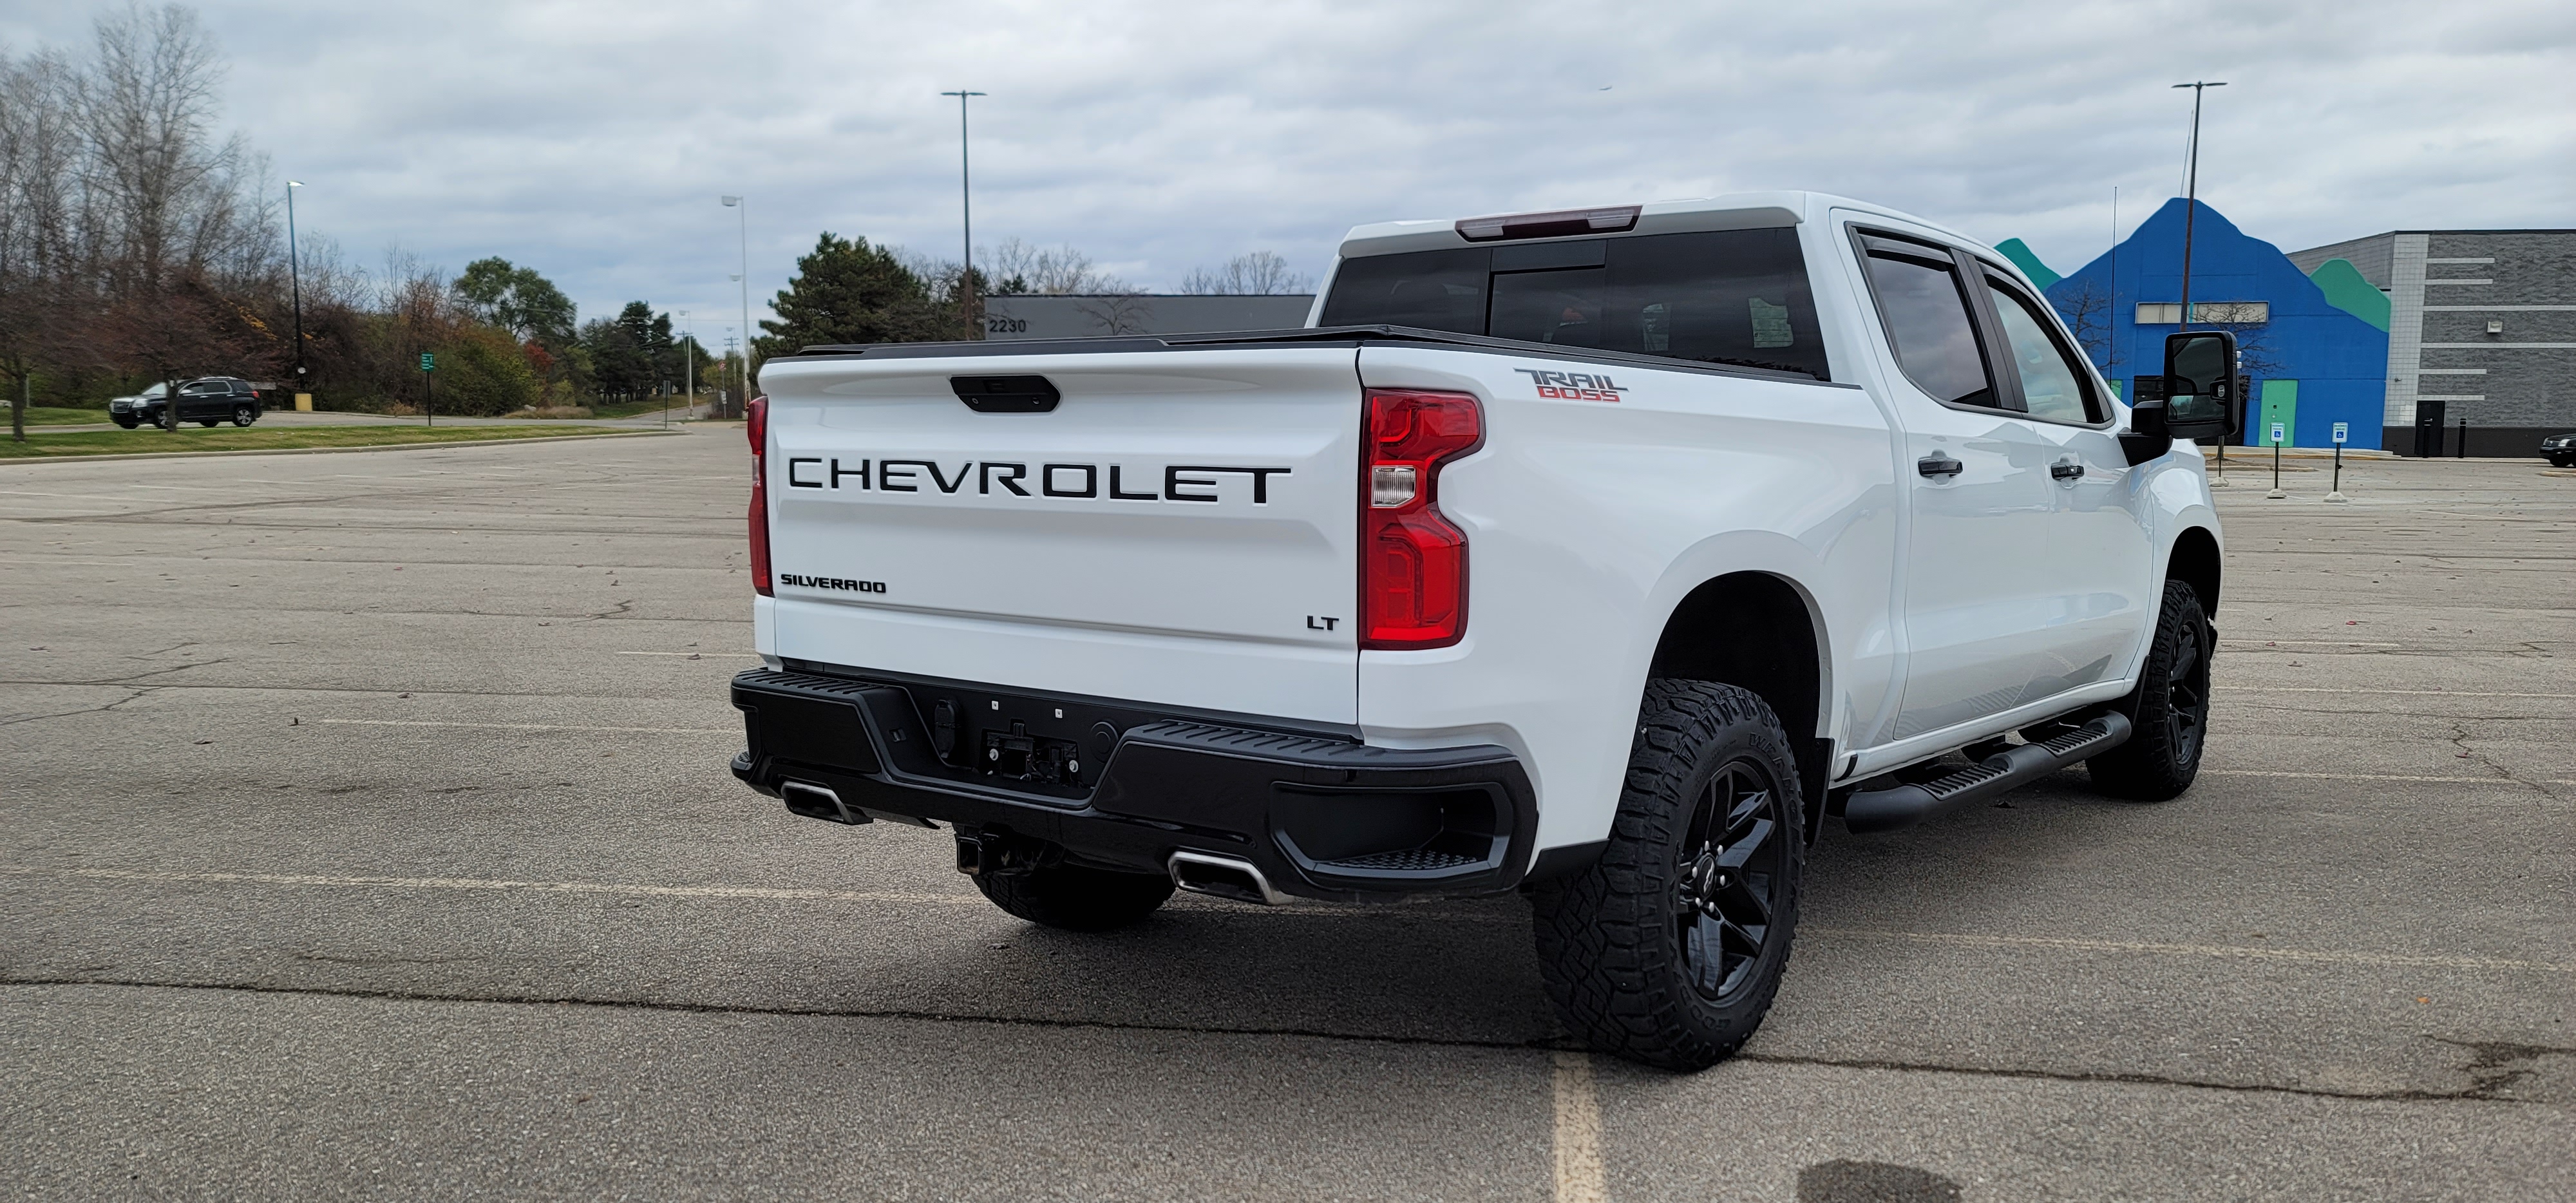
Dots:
(696, 655)
(395, 722)
(1578, 1132)
(2427, 693)
(2383, 777)
(471, 883)
(2309, 956)
(778, 893)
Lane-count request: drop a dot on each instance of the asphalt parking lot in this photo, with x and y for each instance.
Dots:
(366, 830)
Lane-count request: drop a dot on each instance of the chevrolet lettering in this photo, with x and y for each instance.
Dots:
(1405, 603)
(1114, 482)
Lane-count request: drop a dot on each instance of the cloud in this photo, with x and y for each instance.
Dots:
(591, 140)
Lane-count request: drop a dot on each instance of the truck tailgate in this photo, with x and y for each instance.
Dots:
(1180, 528)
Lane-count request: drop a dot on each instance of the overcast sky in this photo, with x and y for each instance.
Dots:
(590, 140)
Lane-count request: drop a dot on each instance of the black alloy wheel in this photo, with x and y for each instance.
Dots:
(2187, 693)
(1729, 870)
(2170, 708)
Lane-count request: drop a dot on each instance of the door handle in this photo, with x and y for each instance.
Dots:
(1937, 464)
(2068, 471)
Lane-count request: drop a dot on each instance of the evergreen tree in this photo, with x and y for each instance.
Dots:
(848, 291)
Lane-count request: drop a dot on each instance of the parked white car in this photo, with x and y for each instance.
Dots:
(1600, 555)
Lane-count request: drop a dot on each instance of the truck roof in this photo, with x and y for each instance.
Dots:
(1733, 211)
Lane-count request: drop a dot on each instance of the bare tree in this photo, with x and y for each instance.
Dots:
(1258, 274)
(1117, 313)
(163, 190)
(1017, 267)
(38, 149)
(2087, 310)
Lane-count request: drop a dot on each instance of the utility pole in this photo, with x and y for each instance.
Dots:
(742, 208)
(966, 211)
(688, 372)
(295, 278)
(2191, 196)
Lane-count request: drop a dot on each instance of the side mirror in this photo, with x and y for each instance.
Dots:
(2200, 384)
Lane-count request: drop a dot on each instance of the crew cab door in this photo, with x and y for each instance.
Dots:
(2104, 587)
(1977, 579)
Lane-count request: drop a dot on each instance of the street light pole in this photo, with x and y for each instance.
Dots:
(295, 278)
(966, 212)
(742, 209)
(688, 371)
(2191, 196)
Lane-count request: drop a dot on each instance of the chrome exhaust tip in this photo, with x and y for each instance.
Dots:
(1222, 876)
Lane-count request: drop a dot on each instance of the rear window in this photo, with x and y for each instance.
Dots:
(1732, 297)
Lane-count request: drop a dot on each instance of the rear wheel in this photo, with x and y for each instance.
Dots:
(2170, 708)
(1075, 897)
(1669, 949)
(243, 415)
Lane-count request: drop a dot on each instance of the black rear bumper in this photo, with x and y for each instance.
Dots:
(1321, 817)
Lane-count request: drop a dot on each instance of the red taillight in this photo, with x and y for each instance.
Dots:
(1413, 563)
(756, 425)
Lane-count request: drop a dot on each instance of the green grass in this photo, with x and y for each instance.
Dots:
(640, 409)
(47, 415)
(124, 442)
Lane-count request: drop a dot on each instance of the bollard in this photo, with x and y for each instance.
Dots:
(2464, 440)
(2335, 494)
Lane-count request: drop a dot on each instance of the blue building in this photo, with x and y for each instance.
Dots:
(2316, 347)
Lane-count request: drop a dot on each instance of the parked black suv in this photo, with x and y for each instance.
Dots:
(205, 401)
(2559, 449)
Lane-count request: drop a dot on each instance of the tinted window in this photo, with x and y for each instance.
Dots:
(1736, 297)
(1926, 313)
(2051, 385)
(1433, 290)
(205, 386)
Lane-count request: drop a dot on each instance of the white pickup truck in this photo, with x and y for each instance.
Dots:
(1600, 555)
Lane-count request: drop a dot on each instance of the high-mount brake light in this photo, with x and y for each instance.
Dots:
(756, 427)
(1413, 562)
(1558, 224)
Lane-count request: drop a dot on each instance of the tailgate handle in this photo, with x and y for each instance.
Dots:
(1006, 394)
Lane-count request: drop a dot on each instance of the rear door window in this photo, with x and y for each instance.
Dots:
(1732, 297)
(1925, 310)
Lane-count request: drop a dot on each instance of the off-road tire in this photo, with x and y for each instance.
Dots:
(2169, 710)
(1609, 950)
(1075, 897)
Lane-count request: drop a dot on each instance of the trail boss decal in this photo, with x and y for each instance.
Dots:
(1180, 482)
(1572, 386)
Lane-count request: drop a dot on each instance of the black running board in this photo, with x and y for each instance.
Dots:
(1876, 810)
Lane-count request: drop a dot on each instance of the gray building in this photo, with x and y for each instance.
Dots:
(2481, 328)
(1099, 316)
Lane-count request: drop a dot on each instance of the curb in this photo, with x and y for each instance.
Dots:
(14, 461)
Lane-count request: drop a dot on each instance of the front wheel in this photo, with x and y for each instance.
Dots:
(1669, 949)
(243, 415)
(2170, 708)
(1075, 897)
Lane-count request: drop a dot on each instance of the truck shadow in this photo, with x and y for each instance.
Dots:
(1453, 971)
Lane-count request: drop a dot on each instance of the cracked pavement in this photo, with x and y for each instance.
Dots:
(367, 830)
